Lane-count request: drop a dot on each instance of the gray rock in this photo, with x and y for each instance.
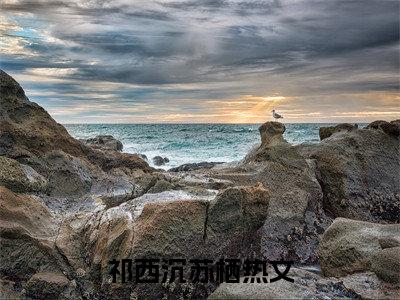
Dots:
(161, 186)
(159, 161)
(349, 246)
(325, 132)
(195, 166)
(295, 217)
(104, 142)
(19, 177)
(306, 285)
(386, 264)
(391, 128)
(358, 173)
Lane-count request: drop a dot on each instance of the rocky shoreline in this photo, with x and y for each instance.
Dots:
(68, 207)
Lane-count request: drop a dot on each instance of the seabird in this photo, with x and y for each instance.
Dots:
(276, 115)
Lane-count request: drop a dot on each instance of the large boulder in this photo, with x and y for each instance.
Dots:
(271, 135)
(104, 142)
(391, 128)
(386, 264)
(359, 175)
(26, 129)
(159, 161)
(309, 285)
(325, 132)
(195, 166)
(350, 246)
(295, 218)
(39, 145)
(27, 233)
(164, 225)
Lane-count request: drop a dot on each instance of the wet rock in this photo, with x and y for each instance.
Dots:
(109, 160)
(104, 142)
(391, 128)
(325, 132)
(142, 156)
(349, 246)
(159, 161)
(19, 177)
(358, 173)
(195, 166)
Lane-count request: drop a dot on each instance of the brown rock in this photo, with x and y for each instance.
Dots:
(27, 233)
(26, 129)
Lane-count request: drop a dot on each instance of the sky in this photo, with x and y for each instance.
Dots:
(194, 61)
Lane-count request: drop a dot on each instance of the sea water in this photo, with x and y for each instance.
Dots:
(190, 143)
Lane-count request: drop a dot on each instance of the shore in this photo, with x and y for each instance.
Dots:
(69, 207)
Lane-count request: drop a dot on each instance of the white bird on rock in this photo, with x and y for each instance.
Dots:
(276, 115)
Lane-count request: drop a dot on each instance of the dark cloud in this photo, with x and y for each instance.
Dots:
(243, 47)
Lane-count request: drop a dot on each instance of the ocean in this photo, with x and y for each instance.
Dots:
(190, 143)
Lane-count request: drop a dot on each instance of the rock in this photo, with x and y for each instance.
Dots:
(8, 290)
(172, 229)
(68, 175)
(236, 210)
(309, 285)
(386, 264)
(29, 135)
(358, 173)
(306, 285)
(109, 160)
(295, 217)
(26, 129)
(47, 285)
(194, 166)
(161, 186)
(19, 177)
(159, 161)
(272, 133)
(104, 142)
(27, 233)
(325, 132)
(142, 156)
(368, 286)
(349, 246)
(391, 128)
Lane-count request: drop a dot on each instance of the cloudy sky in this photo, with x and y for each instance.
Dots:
(223, 61)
